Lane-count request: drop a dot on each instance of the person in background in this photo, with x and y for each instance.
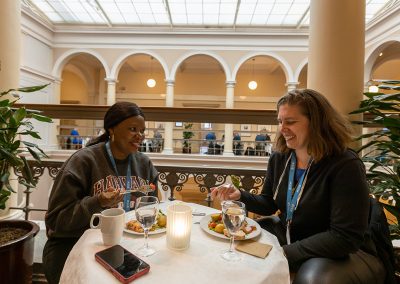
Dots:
(236, 136)
(157, 140)
(261, 144)
(211, 136)
(261, 136)
(76, 140)
(237, 145)
(319, 186)
(93, 179)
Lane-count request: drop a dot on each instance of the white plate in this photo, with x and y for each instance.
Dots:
(206, 219)
(131, 216)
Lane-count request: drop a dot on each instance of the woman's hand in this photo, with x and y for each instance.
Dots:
(108, 199)
(225, 192)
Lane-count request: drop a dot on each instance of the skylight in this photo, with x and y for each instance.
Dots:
(186, 13)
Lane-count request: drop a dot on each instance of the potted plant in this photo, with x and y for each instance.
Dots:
(16, 236)
(187, 134)
(382, 151)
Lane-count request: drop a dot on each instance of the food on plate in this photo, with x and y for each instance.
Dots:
(240, 235)
(216, 225)
(162, 221)
(216, 217)
(236, 181)
(134, 225)
(219, 228)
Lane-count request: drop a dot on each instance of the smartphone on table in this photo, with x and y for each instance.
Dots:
(124, 265)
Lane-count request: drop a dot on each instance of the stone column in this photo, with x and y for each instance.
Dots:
(230, 102)
(111, 91)
(291, 86)
(336, 56)
(169, 126)
(10, 52)
(54, 128)
(169, 98)
(10, 44)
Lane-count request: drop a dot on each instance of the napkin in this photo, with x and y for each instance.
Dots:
(254, 248)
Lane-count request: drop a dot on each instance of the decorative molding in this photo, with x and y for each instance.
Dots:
(170, 82)
(230, 84)
(37, 73)
(111, 80)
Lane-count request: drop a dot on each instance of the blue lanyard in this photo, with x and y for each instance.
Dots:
(127, 196)
(292, 200)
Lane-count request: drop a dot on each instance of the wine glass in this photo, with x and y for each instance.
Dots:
(146, 210)
(233, 215)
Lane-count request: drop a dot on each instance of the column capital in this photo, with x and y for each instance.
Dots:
(292, 85)
(170, 82)
(111, 80)
(230, 84)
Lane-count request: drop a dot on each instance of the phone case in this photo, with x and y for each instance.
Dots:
(116, 274)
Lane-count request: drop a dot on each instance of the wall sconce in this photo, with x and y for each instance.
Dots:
(151, 83)
(179, 226)
(252, 84)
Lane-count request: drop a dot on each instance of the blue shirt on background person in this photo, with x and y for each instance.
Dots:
(211, 136)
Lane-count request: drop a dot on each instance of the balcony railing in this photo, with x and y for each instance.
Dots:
(171, 179)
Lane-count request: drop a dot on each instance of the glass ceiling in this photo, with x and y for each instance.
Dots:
(186, 13)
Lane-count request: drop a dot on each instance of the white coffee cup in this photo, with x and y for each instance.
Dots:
(111, 223)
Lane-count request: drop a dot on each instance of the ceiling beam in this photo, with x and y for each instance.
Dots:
(236, 14)
(302, 19)
(169, 14)
(103, 13)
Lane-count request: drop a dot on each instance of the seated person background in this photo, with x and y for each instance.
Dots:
(260, 144)
(237, 145)
(75, 142)
(212, 145)
(211, 136)
(157, 141)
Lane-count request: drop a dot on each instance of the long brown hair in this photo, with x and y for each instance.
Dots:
(331, 132)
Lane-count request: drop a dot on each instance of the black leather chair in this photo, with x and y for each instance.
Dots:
(378, 231)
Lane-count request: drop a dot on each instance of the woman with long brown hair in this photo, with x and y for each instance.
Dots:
(319, 186)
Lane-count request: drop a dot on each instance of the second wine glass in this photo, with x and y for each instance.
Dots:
(146, 210)
(233, 215)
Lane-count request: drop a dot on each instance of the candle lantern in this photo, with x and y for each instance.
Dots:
(179, 226)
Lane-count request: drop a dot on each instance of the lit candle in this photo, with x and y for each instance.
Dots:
(179, 220)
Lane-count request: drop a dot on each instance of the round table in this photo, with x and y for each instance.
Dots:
(200, 263)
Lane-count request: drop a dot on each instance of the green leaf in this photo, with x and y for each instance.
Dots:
(41, 117)
(34, 134)
(5, 177)
(31, 89)
(19, 115)
(34, 154)
(11, 158)
(4, 103)
(27, 173)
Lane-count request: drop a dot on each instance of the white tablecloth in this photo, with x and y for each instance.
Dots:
(201, 263)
